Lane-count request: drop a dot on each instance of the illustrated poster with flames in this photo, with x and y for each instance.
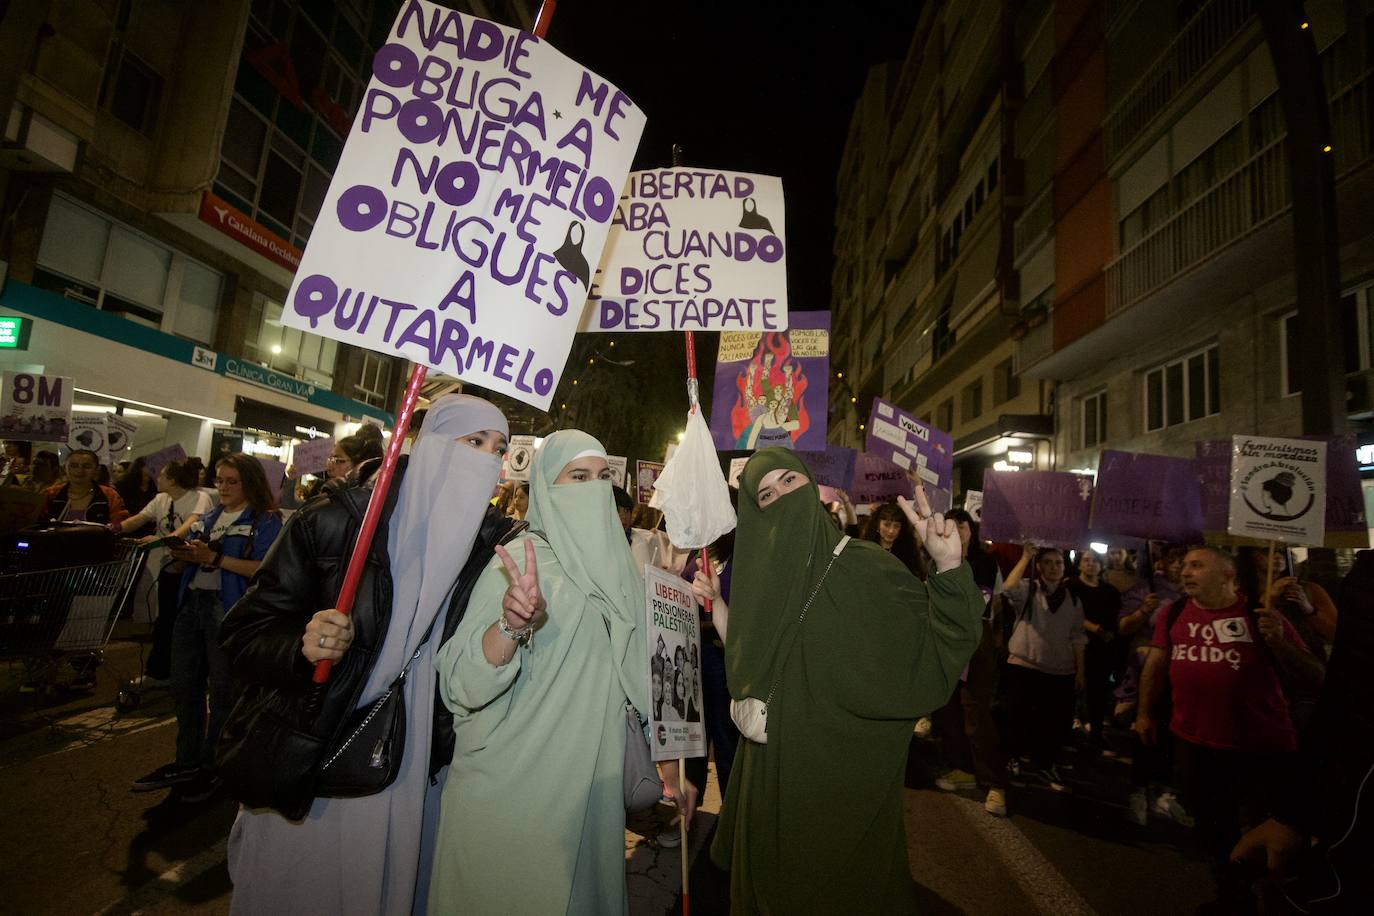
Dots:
(772, 386)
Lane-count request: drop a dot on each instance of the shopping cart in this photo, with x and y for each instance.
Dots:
(55, 622)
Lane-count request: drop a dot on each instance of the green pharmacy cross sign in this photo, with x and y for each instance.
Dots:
(14, 332)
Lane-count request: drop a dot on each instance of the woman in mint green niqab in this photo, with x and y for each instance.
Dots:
(533, 814)
(812, 820)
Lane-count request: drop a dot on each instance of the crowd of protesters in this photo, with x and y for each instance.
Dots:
(1235, 684)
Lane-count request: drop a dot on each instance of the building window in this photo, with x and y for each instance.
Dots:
(1183, 390)
(1006, 385)
(132, 90)
(374, 383)
(972, 407)
(944, 415)
(1210, 167)
(300, 81)
(291, 351)
(1357, 319)
(86, 256)
(1094, 423)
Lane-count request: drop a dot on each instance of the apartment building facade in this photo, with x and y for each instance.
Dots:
(1172, 317)
(925, 291)
(161, 168)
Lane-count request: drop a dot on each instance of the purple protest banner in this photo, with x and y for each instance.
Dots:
(833, 467)
(907, 442)
(1346, 525)
(877, 480)
(771, 388)
(1147, 496)
(163, 457)
(646, 473)
(1048, 507)
(311, 457)
(1213, 466)
(275, 471)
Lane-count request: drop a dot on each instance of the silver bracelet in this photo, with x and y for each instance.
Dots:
(520, 636)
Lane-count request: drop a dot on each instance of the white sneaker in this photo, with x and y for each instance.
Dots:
(923, 727)
(996, 803)
(1168, 805)
(1138, 808)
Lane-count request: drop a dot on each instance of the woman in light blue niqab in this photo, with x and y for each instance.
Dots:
(533, 816)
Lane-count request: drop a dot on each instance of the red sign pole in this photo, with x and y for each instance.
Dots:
(354, 573)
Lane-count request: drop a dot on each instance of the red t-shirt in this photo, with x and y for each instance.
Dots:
(1224, 681)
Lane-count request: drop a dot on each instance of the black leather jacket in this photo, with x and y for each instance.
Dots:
(301, 575)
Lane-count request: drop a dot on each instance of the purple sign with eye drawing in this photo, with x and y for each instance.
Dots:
(470, 205)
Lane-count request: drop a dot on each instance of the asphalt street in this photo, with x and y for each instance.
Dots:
(79, 841)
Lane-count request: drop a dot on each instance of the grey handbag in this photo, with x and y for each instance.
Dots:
(642, 786)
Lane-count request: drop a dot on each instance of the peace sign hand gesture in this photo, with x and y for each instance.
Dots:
(523, 605)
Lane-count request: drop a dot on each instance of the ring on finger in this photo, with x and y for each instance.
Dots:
(322, 639)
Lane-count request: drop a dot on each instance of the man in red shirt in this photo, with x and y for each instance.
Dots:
(1234, 739)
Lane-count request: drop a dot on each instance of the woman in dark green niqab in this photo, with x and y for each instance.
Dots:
(812, 820)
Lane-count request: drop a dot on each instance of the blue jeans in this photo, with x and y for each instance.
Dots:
(198, 663)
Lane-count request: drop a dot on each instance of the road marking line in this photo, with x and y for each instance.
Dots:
(1036, 875)
(165, 884)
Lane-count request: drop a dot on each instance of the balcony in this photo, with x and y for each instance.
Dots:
(1195, 48)
(1250, 197)
(1223, 244)
(1034, 223)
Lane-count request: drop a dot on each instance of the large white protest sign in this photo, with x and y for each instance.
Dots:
(470, 205)
(36, 408)
(1278, 489)
(674, 640)
(693, 250)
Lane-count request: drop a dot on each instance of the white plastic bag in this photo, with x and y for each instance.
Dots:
(692, 492)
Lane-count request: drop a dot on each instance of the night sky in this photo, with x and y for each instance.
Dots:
(751, 87)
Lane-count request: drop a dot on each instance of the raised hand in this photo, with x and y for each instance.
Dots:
(937, 534)
(523, 605)
(706, 585)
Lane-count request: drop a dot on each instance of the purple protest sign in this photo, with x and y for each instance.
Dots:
(1346, 525)
(772, 388)
(470, 204)
(163, 457)
(311, 457)
(908, 443)
(878, 480)
(1213, 467)
(1147, 496)
(275, 471)
(646, 474)
(1048, 507)
(833, 467)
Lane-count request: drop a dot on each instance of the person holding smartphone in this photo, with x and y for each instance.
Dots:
(172, 512)
(226, 548)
